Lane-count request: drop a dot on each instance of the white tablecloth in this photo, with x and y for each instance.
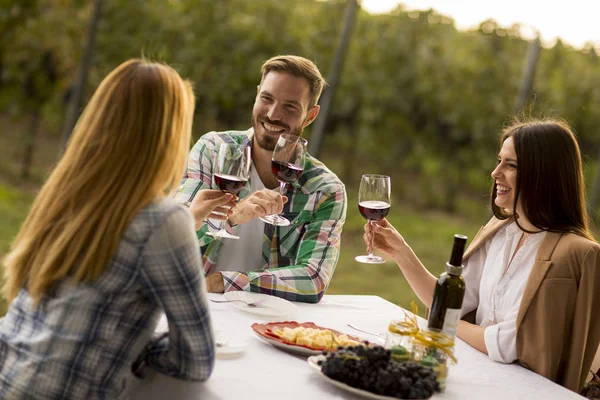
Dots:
(263, 372)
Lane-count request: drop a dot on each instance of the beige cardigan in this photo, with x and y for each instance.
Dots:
(558, 326)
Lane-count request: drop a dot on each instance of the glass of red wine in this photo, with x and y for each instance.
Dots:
(231, 172)
(374, 199)
(287, 165)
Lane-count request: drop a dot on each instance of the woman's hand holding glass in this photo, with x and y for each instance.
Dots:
(231, 174)
(211, 204)
(374, 199)
(382, 236)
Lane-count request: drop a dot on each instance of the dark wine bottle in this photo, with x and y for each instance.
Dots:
(449, 292)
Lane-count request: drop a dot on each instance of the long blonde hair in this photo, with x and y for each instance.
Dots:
(127, 149)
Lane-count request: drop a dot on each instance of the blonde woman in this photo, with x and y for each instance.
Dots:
(104, 251)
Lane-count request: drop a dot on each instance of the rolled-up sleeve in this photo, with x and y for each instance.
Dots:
(501, 339)
(316, 258)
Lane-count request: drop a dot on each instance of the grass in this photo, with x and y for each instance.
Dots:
(13, 209)
(14, 205)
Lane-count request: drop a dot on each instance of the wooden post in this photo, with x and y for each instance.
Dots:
(528, 74)
(314, 145)
(74, 106)
(30, 143)
(595, 189)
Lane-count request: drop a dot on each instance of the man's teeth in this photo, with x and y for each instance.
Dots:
(502, 189)
(272, 128)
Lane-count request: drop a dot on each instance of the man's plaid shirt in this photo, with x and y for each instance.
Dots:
(298, 260)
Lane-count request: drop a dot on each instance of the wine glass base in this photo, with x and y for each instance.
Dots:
(370, 259)
(276, 220)
(223, 234)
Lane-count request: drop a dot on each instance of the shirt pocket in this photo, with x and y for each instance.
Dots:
(289, 236)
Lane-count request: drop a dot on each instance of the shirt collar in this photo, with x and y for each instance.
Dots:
(513, 228)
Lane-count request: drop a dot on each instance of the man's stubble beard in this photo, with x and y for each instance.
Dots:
(266, 142)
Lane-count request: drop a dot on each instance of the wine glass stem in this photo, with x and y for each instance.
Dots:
(223, 222)
(372, 235)
(282, 186)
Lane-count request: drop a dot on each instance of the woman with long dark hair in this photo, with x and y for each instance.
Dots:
(533, 272)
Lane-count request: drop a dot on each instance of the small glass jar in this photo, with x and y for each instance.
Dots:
(398, 340)
(430, 348)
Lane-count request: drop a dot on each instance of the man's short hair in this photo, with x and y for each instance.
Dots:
(301, 67)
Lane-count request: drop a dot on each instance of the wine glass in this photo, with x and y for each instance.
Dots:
(374, 199)
(231, 173)
(287, 165)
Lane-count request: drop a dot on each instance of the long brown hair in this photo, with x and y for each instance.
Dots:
(549, 177)
(127, 149)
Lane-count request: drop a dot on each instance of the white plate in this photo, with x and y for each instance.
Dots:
(290, 348)
(229, 348)
(230, 351)
(312, 361)
(272, 307)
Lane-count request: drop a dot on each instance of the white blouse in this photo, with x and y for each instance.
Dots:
(495, 286)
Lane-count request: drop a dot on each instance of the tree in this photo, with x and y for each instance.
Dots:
(34, 63)
(76, 93)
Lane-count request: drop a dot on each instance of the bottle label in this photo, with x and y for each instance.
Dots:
(451, 321)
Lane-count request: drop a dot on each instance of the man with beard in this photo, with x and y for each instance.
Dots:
(294, 262)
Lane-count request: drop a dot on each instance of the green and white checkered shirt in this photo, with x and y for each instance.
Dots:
(298, 260)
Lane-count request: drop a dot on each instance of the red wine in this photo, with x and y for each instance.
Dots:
(229, 183)
(285, 172)
(373, 210)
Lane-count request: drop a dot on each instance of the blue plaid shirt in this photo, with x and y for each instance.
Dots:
(82, 340)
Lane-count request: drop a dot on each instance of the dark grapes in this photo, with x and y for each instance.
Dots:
(373, 369)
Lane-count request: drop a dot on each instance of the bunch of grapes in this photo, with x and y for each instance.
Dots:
(373, 369)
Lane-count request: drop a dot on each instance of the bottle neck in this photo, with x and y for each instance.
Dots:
(454, 269)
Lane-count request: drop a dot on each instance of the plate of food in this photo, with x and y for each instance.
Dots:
(372, 373)
(303, 338)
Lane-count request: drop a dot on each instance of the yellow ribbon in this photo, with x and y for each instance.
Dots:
(410, 327)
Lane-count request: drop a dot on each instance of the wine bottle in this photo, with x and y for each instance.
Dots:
(449, 292)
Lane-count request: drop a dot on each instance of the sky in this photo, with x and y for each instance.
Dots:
(574, 21)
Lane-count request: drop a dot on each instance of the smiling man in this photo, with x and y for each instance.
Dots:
(294, 262)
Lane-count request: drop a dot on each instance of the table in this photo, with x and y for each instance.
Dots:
(264, 372)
